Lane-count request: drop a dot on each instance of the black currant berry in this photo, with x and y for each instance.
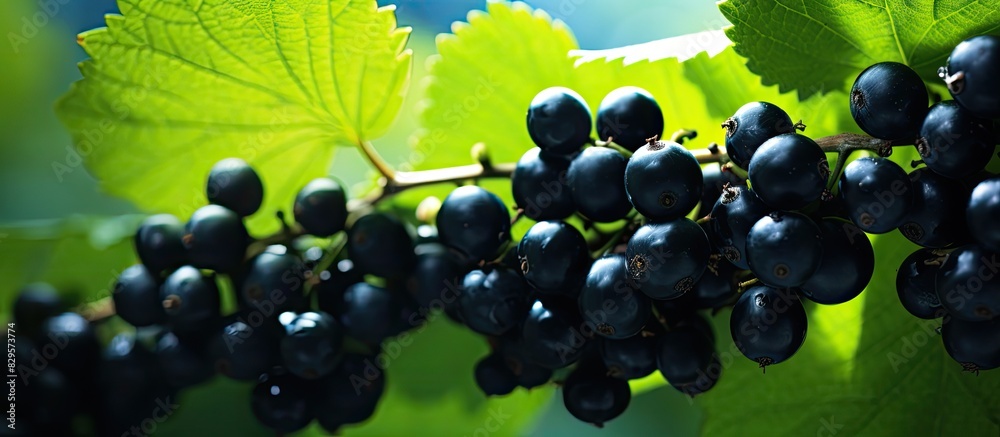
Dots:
(33, 306)
(559, 121)
(160, 245)
(369, 313)
(715, 181)
(379, 244)
(752, 125)
(232, 183)
(276, 276)
(183, 361)
(663, 181)
(493, 300)
(609, 302)
(540, 187)
(915, 284)
(686, 356)
(350, 394)
(971, 75)
(595, 180)
(968, 283)
(190, 300)
(974, 345)
(629, 116)
(889, 101)
(311, 345)
(789, 171)
(245, 347)
(551, 334)
(592, 396)
(137, 297)
(983, 213)
(321, 207)
(554, 259)
(734, 214)
(936, 218)
(216, 239)
(953, 142)
(768, 324)
(666, 259)
(629, 358)
(846, 267)
(475, 222)
(280, 402)
(784, 249)
(493, 376)
(878, 194)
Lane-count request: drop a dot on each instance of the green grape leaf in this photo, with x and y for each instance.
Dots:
(174, 86)
(819, 46)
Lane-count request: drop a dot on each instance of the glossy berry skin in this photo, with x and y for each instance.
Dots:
(33, 306)
(684, 354)
(752, 125)
(350, 394)
(847, 265)
(183, 362)
(380, 244)
(595, 183)
(332, 284)
(666, 259)
(629, 358)
(215, 239)
(493, 377)
(788, 171)
(436, 281)
(245, 347)
(889, 101)
(968, 284)
(276, 276)
(554, 259)
(280, 402)
(915, 285)
(475, 222)
(539, 186)
(493, 300)
(159, 244)
(663, 181)
(877, 192)
(551, 334)
(983, 213)
(190, 299)
(734, 214)
(232, 183)
(935, 218)
(137, 297)
(321, 207)
(594, 397)
(971, 75)
(768, 325)
(715, 289)
(312, 343)
(784, 249)
(715, 180)
(608, 286)
(974, 345)
(953, 142)
(369, 313)
(559, 121)
(629, 116)
(79, 349)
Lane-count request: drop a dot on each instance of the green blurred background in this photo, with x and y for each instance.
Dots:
(39, 200)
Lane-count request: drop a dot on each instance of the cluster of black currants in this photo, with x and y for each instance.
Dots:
(951, 207)
(307, 325)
